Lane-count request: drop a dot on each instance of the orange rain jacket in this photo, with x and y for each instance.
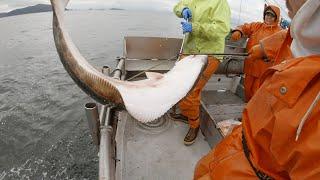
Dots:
(270, 121)
(276, 45)
(254, 68)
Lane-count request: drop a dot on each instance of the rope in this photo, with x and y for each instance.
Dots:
(142, 72)
(306, 115)
(261, 175)
(240, 12)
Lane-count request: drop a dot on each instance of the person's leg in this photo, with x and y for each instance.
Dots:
(176, 116)
(190, 105)
(247, 69)
(257, 70)
(248, 82)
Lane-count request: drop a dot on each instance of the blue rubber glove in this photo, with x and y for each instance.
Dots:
(186, 14)
(186, 27)
(285, 23)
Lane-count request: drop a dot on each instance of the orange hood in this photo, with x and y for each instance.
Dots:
(276, 10)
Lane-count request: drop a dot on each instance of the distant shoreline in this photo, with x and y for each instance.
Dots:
(45, 8)
(118, 9)
(28, 10)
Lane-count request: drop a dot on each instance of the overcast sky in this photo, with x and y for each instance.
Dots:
(250, 9)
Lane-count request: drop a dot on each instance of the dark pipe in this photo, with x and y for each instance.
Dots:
(93, 122)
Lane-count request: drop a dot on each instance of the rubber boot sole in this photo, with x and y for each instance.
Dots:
(189, 143)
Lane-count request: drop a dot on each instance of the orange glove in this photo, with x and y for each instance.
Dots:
(236, 35)
(255, 52)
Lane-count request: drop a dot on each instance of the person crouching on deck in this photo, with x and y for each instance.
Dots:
(206, 26)
(256, 31)
(280, 131)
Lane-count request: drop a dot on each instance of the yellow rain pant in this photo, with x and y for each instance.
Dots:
(190, 105)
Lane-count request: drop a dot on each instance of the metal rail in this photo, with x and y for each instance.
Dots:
(102, 131)
(106, 151)
(217, 54)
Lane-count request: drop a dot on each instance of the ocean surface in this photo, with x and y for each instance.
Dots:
(43, 129)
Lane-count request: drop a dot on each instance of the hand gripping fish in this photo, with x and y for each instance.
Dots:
(145, 100)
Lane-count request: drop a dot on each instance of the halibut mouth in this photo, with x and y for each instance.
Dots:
(145, 100)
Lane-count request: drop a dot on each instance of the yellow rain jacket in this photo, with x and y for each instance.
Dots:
(210, 25)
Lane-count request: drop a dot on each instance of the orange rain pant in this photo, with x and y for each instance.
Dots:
(251, 85)
(254, 68)
(190, 105)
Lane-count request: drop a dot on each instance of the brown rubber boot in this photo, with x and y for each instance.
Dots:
(191, 136)
(179, 117)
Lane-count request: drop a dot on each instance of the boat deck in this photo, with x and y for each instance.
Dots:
(158, 153)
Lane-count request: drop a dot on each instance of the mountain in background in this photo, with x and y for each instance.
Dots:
(41, 8)
(27, 10)
(3, 15)
(96, 9)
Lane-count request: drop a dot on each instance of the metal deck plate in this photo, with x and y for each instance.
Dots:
(161, 155)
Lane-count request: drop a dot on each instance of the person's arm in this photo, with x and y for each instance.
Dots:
(178, 8)
(271, 44)
(248, 28)
(218, 24)
(268, 47)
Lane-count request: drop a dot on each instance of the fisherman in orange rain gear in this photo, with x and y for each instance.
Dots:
(253, 68)
(280, 131)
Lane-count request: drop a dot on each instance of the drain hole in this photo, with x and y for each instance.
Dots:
(157, 126)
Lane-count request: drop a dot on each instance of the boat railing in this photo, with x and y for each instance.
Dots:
(103, 128)
(159, 54)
